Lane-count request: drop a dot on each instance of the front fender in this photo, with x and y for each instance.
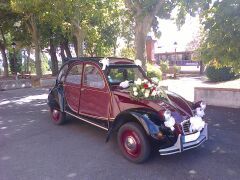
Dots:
(149, 126)
(140, 116)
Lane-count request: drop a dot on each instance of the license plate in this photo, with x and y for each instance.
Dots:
(191, 137)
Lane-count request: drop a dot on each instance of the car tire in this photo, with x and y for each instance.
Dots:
(57, 116)
(133, 142)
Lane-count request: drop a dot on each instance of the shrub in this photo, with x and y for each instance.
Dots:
(164, 66)
(176, 69)
(154, 71)
(216, 74)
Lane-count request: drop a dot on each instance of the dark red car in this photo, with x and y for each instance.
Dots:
(91, 91)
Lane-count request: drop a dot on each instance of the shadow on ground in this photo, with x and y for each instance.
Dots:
(32, 147)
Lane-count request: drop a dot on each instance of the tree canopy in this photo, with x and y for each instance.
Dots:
(222, 33)
(145, 15)
(93, 27)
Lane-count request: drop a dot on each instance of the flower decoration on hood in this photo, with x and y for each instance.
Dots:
(144, 89)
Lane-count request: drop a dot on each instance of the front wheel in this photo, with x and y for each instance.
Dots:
(57, 116)
(133, 142)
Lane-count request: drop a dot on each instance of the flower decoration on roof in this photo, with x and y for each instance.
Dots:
(138, 62)
(144, 89)
(105, 62)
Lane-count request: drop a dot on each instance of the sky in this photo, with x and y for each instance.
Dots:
(170, 34)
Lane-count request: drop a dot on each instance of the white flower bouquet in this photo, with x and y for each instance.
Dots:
(145, 89)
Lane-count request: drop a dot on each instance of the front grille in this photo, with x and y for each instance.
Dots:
(186, 126)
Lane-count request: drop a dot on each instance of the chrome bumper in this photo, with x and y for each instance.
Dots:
(180, 145)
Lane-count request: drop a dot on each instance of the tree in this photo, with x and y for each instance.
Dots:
(31, 11)
(7, 20)
(95, 23)
(106, 27)
(222, 34)
(146, 12)
(35, 13)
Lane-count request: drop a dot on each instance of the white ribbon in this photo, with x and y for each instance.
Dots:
(105, 62)
(124, 84)
(200, 112)
(170, 123)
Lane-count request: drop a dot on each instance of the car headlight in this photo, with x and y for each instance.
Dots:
(169, 120)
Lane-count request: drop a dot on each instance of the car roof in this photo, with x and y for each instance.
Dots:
(112, 60)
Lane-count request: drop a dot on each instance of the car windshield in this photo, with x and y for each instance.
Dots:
(118, 74)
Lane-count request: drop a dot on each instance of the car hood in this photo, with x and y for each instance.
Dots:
(180, 108)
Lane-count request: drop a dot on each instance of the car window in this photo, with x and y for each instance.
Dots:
(62, 73)
(74, 75)
(120, 74)
(92, 77)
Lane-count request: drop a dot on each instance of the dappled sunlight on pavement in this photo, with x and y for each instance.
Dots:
(32, 147)
(21, 110)
(23, 100)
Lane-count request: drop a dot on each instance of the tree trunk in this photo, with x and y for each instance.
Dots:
(201, 67)
(4, 56)
(35, 38)
(5, 62)
(54, 60)
(75, 45)
(79, 34)
(38, 63)
(79, 45)
(28, 58)
(143, 22)
(66, 48)
(141, 30)
(62, 54)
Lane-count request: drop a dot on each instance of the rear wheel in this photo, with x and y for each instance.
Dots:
(133, 142)
(57, 116)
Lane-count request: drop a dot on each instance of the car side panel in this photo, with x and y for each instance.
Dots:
(72, 95)
(94, 103)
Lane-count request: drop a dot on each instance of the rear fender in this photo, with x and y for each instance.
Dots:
(56, 98)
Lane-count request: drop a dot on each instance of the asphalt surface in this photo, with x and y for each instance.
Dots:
(33, 148)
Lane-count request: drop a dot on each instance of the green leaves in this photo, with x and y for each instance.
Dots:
(222, 37)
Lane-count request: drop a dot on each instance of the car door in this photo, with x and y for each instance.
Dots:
(72, 85)
(95, 95)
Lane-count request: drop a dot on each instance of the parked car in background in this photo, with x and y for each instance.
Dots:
(115, 95)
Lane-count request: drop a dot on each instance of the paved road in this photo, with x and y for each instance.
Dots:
(32, 148)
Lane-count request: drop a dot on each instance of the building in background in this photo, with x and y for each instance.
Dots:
(183, 58)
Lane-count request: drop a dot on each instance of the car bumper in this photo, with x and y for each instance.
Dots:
(181, 145)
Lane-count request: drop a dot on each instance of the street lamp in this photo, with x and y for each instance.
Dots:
(175, 50)
(14, 58)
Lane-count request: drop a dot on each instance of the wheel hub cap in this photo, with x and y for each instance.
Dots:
(130, 143)
(55, 115)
